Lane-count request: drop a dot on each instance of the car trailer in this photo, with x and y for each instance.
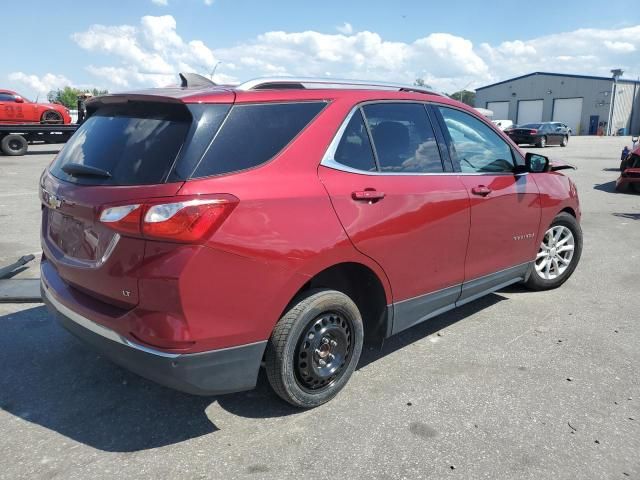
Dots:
(15, 139)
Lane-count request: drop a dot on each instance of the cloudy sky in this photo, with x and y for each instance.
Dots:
(452, 45)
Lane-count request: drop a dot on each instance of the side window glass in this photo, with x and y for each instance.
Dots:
(403, 138)
(479, 149)
(354, 149)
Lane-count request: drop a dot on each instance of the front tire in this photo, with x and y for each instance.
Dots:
(558, 255)
(314, 348)
(565, 141)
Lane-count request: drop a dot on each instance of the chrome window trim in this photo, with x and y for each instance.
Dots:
(329, 161)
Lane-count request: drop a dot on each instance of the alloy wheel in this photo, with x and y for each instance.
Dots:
(556, 252)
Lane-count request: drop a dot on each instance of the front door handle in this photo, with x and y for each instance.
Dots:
(368, 195)
(481, 190)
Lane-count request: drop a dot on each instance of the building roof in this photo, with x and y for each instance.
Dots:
(569, 75)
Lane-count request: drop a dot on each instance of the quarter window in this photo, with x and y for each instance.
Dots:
(478, 148)
(403, 138)
(253, 134)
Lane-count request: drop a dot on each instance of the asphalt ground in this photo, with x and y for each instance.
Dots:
(517, 385)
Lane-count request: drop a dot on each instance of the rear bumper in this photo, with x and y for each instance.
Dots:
(524, 139)
(206, 373)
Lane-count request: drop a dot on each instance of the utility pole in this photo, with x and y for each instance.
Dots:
(617, 73)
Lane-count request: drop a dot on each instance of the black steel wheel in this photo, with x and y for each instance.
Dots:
(314, 348)
(323, 351)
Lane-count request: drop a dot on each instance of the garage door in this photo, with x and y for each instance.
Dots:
(568, 111)
(529, 111)
(500, 110)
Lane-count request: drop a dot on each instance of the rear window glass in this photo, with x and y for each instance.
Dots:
(253, 134)
(135, 144)
(403, 138)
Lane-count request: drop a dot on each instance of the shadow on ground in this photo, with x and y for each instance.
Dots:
(630, 216)
(606, 187)
(50, 379)
(42, 152)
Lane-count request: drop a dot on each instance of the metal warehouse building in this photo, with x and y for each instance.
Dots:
(583, 102)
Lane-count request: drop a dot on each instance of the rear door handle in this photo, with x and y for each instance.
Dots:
(368, 195)
(481, 190)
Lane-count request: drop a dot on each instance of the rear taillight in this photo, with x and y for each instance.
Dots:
(533, 131)
(190, 220)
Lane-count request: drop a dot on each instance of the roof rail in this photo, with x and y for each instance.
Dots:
(270, 83)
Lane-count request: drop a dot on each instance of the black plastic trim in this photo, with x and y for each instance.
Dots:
(207, 373)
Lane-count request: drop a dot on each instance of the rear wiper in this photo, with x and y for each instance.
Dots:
(77, 169)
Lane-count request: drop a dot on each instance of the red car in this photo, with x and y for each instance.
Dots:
(15, 108)
(629, 178)
(194, 234)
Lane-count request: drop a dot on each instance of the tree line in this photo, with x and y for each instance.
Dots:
(68, 96)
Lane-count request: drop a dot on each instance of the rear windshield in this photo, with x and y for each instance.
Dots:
(135, 144)
(531, 125)
(253, 134)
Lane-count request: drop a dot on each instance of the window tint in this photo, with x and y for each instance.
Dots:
(134, 143)
(253, 134)
(477, 147)
(6, 97)
(403, 138)
(354, 149)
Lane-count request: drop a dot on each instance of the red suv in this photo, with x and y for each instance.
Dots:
(194, 234)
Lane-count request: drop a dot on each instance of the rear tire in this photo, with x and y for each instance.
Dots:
(542, 142)
(51, 117)
(566, 247)
(14, 145)
(565, 141)
(635, 187)
(314, 348)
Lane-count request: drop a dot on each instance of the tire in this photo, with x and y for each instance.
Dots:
(565, 141)
(542, 142)
(51, 117)
(323, 326)
(14, 145)
(547, 278)
(635, 187)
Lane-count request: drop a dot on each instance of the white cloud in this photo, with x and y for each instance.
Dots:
(162, 3)
(620, 47)
(40, 85)
(150, 54)
(153, 52)
(345, 28)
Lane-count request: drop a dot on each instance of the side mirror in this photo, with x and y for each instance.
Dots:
(18, 99)
(536, 163)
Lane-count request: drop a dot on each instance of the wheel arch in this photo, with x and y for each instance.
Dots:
(365, 287)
